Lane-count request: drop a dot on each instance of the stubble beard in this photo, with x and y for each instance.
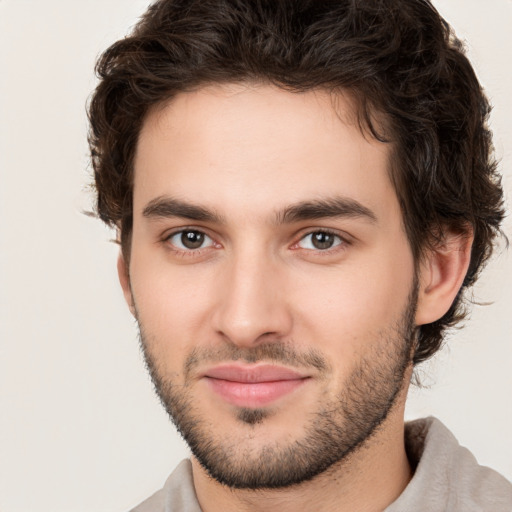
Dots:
(341, 426)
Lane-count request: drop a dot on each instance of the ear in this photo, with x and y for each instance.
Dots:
(442, 272)
(124, 278)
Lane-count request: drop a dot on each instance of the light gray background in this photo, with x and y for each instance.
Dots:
(80, 429)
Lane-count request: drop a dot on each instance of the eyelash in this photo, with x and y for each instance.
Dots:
(187, 252)
(341, 245)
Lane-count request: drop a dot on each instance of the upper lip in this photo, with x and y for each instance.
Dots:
(253, 373)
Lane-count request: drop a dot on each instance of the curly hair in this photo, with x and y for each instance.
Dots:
(398, 58)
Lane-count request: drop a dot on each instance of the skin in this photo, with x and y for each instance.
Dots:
(247, 153)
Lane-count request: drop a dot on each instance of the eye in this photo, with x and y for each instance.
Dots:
(320, 241)
(190, 240)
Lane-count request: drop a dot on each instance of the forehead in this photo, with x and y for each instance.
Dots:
(252, 149)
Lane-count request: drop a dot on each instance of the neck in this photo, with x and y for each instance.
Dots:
(369, 480)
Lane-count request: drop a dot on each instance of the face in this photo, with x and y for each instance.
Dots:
(271, 278)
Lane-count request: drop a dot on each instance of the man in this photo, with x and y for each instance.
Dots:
(303, 191)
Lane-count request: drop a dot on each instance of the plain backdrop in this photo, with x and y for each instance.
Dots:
(80, 428)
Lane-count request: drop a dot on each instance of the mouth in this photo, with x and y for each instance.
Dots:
(253, 386)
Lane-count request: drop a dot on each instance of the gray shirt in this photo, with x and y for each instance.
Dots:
(447, 478)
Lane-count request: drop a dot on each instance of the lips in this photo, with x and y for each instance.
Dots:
(253, 386)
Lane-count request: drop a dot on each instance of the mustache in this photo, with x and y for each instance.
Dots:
(275, 352)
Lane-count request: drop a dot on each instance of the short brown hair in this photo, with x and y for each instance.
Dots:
(398, 58)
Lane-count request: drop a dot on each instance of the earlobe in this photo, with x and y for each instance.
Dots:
(124, 280)
(442, 273)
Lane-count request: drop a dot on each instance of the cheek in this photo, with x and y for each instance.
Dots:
(349, 308)
(172, 308)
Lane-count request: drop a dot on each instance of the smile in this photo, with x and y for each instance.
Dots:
(253, 386)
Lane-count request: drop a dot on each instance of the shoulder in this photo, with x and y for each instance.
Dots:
(177, 494)
(447, 476)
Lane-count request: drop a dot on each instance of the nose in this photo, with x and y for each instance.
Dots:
(252, 306)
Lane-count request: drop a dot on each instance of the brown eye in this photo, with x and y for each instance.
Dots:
(320, 240)
(190, 240)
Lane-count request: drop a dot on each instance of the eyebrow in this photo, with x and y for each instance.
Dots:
(165, 207)
(326, 208)
(168, 207)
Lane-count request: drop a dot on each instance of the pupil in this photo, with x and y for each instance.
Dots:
(192, 239)
(323, 240)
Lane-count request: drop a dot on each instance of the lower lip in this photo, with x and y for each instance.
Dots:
(253, 394)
